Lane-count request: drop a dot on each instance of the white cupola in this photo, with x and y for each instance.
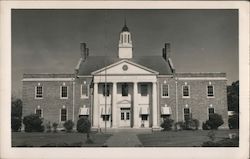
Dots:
(125, 43)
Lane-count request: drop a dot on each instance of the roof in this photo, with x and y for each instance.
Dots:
(94, 63)
(125, 28)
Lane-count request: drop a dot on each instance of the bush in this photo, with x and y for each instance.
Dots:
(215, 120)
(33, 123)
(68, 125)
(48, 127)
(16, 124)
(54, 127)
(83, 125)
(192, 124)
(205, 126)
(234, 121)
(167, 124)
(179, 125)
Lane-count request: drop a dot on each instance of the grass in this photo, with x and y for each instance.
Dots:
(186, 138)
(60, 139)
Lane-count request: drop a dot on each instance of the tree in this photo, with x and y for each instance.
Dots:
(233, 97)
(83, 126)
(16, 114)
(215, 121)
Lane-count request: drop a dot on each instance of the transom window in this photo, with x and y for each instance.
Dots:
(64, 92)
(185, 91)
(210, 112)
(187, 114)
(39, 92)
(165, 90)
(39, 112)
(124, 89)
(210, 91)
(144, 89)
(63, 114)
(84, 90)
(105, 117)
(106, 89)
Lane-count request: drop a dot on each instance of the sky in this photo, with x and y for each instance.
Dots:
(48, 41)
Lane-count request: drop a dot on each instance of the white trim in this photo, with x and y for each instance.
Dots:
(127, 61)
(41, 111)
(82, 95)
(47, 79)
(61, 92)
(162, 91)
(36, 92)
(188, 91)
(201, 78)
(84, 76)
(165, 75)
(213, 92)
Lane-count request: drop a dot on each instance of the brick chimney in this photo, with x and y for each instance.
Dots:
(84, 51)
(167, 50)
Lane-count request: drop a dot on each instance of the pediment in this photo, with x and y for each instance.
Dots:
(125, 67)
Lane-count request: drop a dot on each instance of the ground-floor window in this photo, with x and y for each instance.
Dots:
(144, 117)
(105, 117)
(63, 114)
(39, 112)
(210, 112)
(186, 114)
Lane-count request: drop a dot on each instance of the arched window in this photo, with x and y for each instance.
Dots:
(121, 38)
(125, 39)
(128, 38)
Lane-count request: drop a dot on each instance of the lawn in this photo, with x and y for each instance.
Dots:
(186, 138)
(60, 139)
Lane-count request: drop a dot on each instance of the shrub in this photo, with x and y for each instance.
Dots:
(33, 123)
(16, 124)
(215, 120)
(48, 127)
(191, 124)
(205, 126)
(167, 124)
(68, 125)
(234, 121)
(83, 125)
(179, 125)
(54, 127)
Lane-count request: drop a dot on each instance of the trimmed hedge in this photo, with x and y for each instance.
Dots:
(33, 123)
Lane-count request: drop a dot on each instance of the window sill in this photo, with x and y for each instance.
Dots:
(210, 96)
(84, 97)
(185, 96)
(38, 98)
(164, 96)
(63, 97)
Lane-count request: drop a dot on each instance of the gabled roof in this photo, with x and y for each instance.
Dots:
(94, 63)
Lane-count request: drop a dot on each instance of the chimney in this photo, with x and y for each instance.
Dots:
(167, 50)
(83, 51)
(164, 53)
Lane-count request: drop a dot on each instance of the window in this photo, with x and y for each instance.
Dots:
(127, 116)
(128, 38)
(185, 91)
(210, 112)
(63, 114)
(164, 90)
(39, 92)
(105, 117)
(84, 91)
(107, 93)
(144, 117)
(144, 90)
(122, 116)
(210, 91)
(125, 89)
(39, 112)
(186, 114)
(64, 92)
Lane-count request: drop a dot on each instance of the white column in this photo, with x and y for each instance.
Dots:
(135, 106)
(154, 106)
(95, 107)
(114, 117)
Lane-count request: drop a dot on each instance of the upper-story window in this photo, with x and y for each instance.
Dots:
(144, 89)
(185, 91)
(39, 92)
(106, 89)
(124, 89)
(165, 90)
(84, 91)
(210, 91)
(64, 92)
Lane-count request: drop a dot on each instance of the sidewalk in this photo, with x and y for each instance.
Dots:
(124, 139)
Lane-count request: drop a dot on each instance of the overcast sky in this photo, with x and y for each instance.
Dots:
(48, 41)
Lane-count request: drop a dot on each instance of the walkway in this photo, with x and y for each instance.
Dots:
(124, 139)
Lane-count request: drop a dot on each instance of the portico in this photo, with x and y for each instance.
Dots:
(131, 97)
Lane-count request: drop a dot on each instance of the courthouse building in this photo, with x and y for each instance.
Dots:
(125, 91)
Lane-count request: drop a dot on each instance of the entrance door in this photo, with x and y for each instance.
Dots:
(125, 117)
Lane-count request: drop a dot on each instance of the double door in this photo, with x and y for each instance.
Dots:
(125, 117)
